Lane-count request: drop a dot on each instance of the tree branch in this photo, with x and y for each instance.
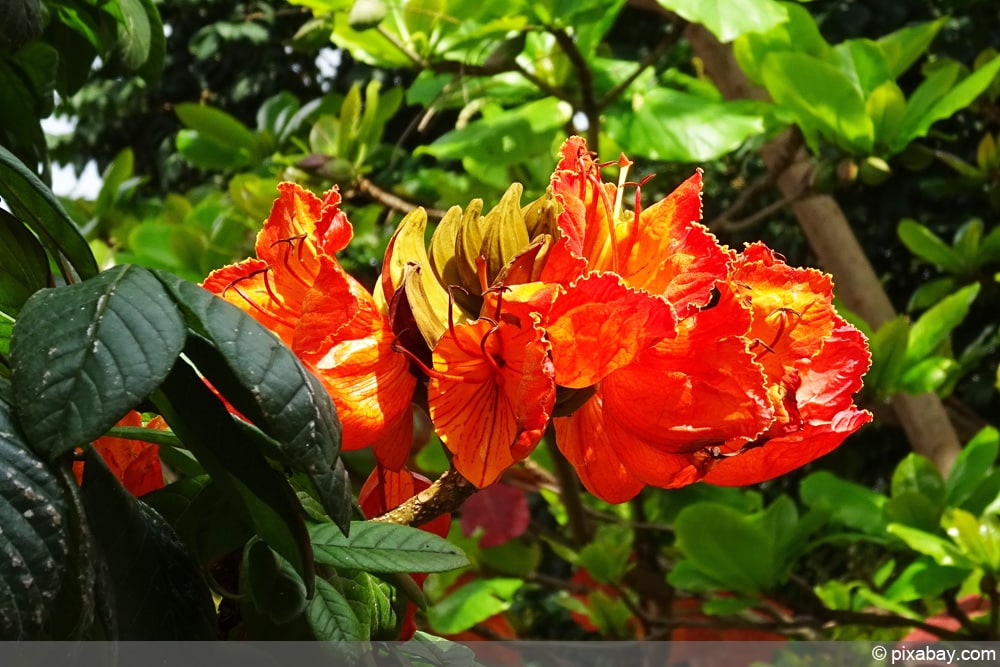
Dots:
(445, 495)
(668, 42)
(588, 99)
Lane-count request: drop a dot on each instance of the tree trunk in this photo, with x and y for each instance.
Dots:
(923, 417)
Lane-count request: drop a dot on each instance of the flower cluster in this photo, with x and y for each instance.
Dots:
(653, 353)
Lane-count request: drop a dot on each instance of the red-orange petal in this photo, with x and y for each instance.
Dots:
(248, 286)
(698, 389)
(671, 254)
(136, 464)
(824, 401)
(599, 325)
(584, 441)
(491, 396)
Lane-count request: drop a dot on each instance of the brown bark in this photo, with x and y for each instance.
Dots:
(824, 224)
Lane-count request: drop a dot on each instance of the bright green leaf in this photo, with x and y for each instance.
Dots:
(331, 616)
(473, 603)
(848, 503)
(727, 546)
(384, 547)
(972, 465)
(937, 323)
(941, 550)
(728, 19)
(904, 46)
(926, 245)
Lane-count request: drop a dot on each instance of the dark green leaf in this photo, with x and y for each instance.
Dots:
(972, 466)
(32, 201)
(85, 354)
(607, 556)
(727, 546)
(34, 542)
(384, 547)
(152, 67)
(273, 586)
(159, 592)
(924, 578)
(267, 383)
(331, 616)
(910, 508)
(931, 292)
(24, 268)
(228, 453)
(20, 22)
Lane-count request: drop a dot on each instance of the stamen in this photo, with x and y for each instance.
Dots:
(784, 312)
(429, 372)
(623, 165)
(451, 317)
(498, 290)
(758, 341)
(289, 243)
(481, 267)
(486, 355)
(609, 209)
(256, 306)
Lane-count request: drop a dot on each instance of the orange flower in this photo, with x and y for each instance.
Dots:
(298, 289)
(135, 463)
(733, 387)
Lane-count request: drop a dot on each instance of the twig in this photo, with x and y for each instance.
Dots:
(579, 526)
(743, 199)
(390, 200)
(588, 100)
(722, 224)
(445, 495)
(668, 42)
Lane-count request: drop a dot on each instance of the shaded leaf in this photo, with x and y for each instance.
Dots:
(85, 354)
(34, 542)
(158, 589)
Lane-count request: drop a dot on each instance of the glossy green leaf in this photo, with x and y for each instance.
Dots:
(665, 124)
(863, 63)
(927, 375)
(228, 453)
(931, 292)
(918, 118)
(919, 475)
(216, 126)
(267, 383)
(885, 106)
(735, 551)
(903, 47)
(728, 19)
(85, 354)
(972, 465)
(35, 540)
(822, 98)
(686, 576)
(33, 202)
(910, 508)
(134, 35)
(799, 33)
(978, 538)
(929, 247)
(472, 603)
(606, 557)
(888, 348)
(332, 617)
(937, 323)
(158, 590)
(941, 550)
(384, 547)
(375, 604)
(967, 241)
(207, 154)
(924, 578)
(848, 503)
